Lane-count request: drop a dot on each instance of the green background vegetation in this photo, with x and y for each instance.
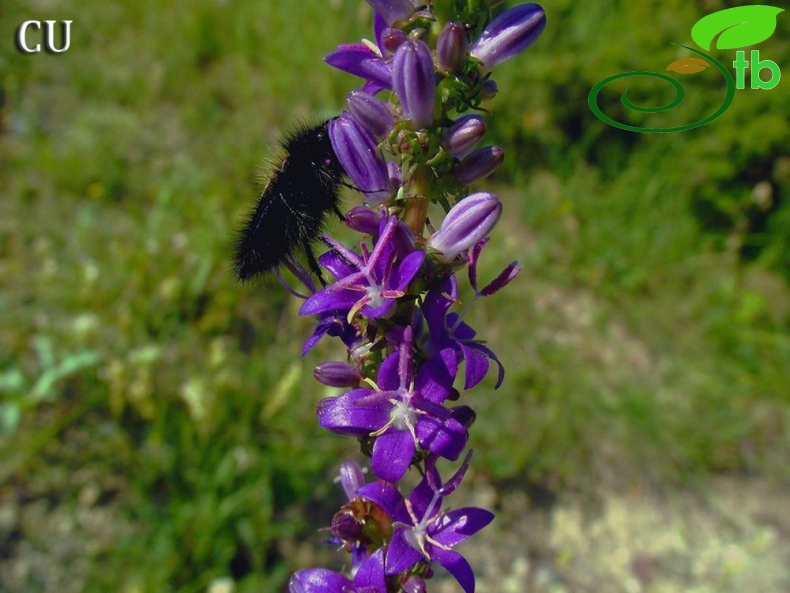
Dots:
(157, 418)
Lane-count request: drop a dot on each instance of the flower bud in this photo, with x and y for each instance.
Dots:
(481, 163)
(363, 220)
(336, 374)
(392, 10)
(413, 81)
(509, 34)
(466, 223)
(346, 527)
(461, 137)
(413, 584)
(358, 153)
(465, 415)
(451, 47)
(391, 39)
(371, 113)
(351, 478)
(490, 89)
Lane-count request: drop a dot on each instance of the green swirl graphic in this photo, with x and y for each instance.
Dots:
(680, 94)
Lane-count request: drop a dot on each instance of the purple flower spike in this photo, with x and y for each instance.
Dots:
(360, 157)
(509, 34)
(392, 10)
(481, 163)
(451, 47)
(371, 113)
(466, 223)
(461, 137)
(337, 374)
(360, 60)
(413, 81)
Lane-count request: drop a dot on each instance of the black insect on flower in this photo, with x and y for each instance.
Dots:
(302, 190)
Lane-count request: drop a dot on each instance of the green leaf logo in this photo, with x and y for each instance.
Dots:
(739, 27)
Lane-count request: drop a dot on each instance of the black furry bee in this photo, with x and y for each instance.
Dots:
(302, 190)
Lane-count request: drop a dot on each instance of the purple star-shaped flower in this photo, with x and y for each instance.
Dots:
(422, 532)
(369, 283)
(405, 411)
(447, 330)
(369, 578)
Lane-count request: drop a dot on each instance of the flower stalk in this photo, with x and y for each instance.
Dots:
(391, 296)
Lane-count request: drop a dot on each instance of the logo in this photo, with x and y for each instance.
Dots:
(732, 28)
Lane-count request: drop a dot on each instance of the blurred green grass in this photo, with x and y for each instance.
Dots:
(647, 337)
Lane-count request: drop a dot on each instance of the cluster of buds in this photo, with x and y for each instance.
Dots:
(410, 137)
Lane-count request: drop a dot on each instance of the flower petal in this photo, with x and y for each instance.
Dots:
(343, 415)
(392, 455)
(460, 524)
(457, 566)
(400, 555)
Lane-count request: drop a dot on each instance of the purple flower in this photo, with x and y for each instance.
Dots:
(481, 163)
(413, 81)
(423, 533)
(509, 34)
(369, 578)
(358, 153)
(466, 223)
(405, 411)
(448, 330)
(451, 47)
(392, 10)
(369, 283)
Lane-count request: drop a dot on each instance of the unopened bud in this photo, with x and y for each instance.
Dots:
(391, 39)
(413, 81)
(358, 153)
(451, 47)
(363, 220)
(509, 34)
(461, 137)
(466, 223)
(481, 163)
(371, 113)
(490, 89)
(337, 374)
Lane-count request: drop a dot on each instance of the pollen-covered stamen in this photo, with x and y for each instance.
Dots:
(417, 535)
